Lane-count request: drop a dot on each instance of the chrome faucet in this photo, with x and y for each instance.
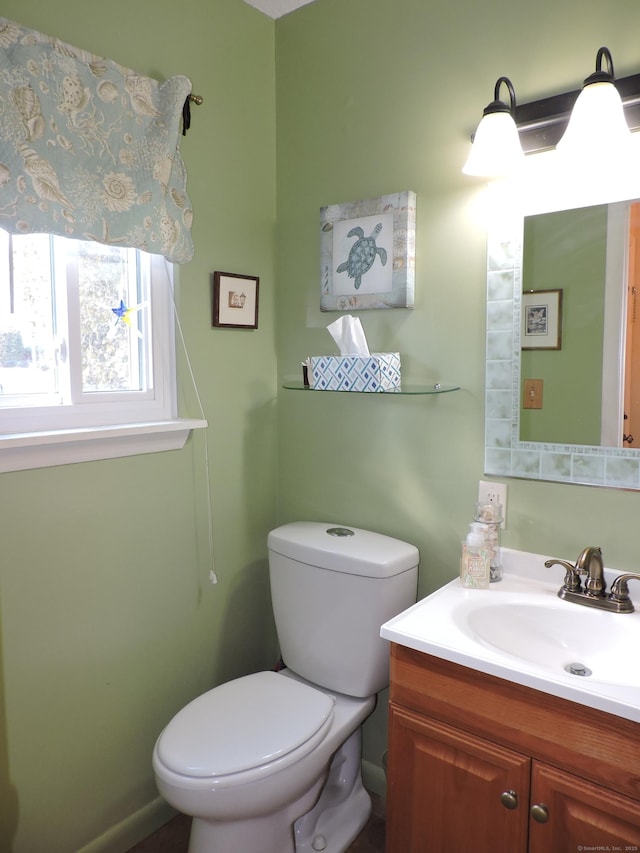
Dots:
(594, 594)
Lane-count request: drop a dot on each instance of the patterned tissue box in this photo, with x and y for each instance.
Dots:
(379, 371)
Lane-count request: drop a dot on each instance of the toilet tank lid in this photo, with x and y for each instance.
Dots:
(342, 548)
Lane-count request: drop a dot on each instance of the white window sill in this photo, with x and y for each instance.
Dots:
(21, 451)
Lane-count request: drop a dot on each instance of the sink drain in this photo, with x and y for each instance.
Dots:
(578, 669)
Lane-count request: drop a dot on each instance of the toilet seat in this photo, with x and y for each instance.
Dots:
(243, 725)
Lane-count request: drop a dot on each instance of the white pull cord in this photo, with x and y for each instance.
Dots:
(212, 573)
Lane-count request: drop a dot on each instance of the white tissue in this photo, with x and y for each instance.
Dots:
(348, 333)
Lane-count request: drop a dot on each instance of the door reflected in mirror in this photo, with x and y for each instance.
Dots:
(631, 424)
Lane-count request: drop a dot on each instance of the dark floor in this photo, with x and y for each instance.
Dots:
(174, 836)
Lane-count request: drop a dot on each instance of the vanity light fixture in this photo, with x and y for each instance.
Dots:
(496, 149)
(542, 124)
(597, 127)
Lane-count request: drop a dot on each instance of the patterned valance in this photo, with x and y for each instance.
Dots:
(89, 149)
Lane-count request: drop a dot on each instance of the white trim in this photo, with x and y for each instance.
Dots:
(22, 451)
(132, 829)
(374, 778)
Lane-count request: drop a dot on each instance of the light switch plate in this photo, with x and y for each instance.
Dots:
(532, 396)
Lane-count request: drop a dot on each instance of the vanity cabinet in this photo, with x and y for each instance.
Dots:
(479, 764)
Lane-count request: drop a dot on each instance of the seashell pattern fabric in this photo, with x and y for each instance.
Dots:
(90, 149)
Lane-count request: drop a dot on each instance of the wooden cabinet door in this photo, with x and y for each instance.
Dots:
(581, 815)
(444, 790)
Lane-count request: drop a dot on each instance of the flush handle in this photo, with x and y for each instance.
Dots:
(540, 813)
(509, 799)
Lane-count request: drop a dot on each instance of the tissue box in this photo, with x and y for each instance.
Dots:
(379, 371)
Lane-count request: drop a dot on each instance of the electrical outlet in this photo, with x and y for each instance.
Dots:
(494, 493)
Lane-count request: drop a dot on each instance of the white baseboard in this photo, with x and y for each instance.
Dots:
(155, 814)
(374, 778)
(132, 829)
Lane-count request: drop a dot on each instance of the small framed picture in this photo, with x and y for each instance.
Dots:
(542, 319)
(235, 300)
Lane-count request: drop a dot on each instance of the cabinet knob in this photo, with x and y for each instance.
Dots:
(540, 813)
(509, 799)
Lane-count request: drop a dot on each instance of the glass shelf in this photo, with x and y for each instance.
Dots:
(406, 389)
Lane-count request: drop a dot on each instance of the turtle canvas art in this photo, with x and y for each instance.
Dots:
(363, 254)
(367, 253)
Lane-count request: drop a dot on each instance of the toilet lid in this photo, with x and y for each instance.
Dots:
(242, 724)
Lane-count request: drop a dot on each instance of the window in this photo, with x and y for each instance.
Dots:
(87, 348)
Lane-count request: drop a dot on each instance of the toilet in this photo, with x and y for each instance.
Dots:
(270, 762)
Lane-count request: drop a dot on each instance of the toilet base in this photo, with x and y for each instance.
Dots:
(271, 833)
(343, 807)
(326, 818)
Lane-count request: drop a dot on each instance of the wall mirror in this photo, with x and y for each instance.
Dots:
(576, 252)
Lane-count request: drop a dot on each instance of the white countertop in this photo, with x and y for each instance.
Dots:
(437, 626)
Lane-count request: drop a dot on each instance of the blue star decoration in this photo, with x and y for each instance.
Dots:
(123, 315)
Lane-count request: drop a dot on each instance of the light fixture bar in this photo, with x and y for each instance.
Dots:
(542, 123)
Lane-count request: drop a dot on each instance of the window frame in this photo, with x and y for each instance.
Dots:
(107, 425)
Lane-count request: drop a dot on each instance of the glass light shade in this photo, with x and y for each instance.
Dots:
(496, 151)
(597, 127)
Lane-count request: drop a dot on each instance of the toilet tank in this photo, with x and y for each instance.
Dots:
(332, 587)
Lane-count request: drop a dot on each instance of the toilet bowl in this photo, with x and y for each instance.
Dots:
(270, 762)
(248, 759)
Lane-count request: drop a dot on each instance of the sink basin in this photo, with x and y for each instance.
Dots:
(560, 637)
(520, 630)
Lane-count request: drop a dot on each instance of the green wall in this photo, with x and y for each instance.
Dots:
(109, 622)
(375, 97)
(567, 250)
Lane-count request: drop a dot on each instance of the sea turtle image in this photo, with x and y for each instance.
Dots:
(362, 254)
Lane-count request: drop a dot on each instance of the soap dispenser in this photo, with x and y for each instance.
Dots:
(474, 562)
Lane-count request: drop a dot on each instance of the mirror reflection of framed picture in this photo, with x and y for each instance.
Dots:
(235, 300)
(541, 319)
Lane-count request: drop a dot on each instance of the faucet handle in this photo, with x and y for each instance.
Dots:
(571, 578)
(620, 592)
